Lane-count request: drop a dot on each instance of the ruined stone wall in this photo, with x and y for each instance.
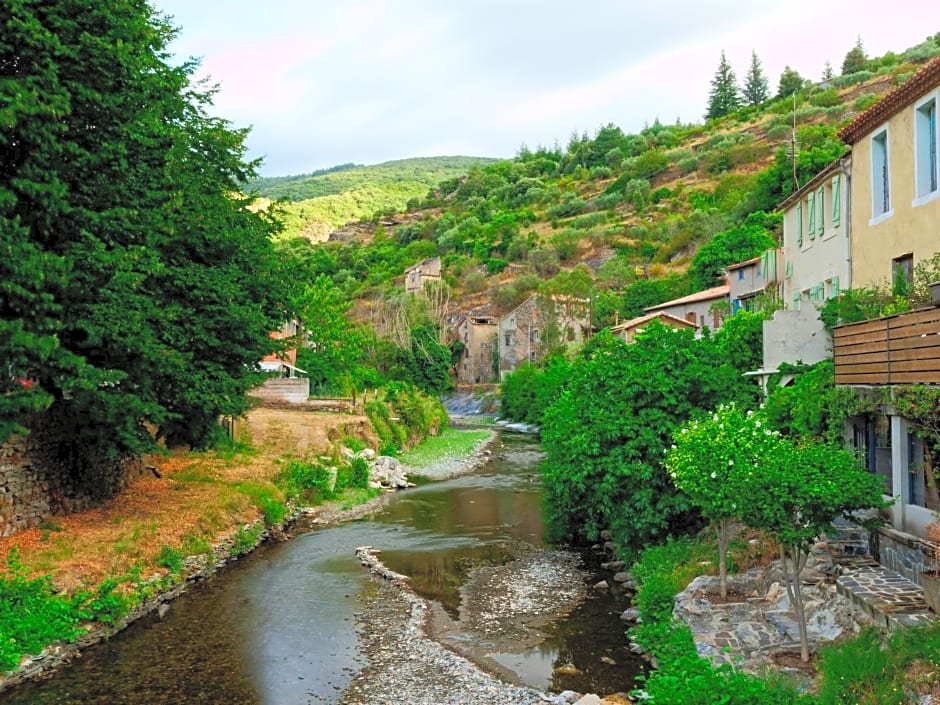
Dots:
(41, 475)
(291, 389)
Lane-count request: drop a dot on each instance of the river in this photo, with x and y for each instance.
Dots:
(277, 627)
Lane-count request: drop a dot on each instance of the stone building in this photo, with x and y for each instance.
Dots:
(427, 270)
(477, 331)
(524, 331)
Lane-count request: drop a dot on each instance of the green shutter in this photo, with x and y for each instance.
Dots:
(834, 288)
(836, 200)
(789, 268)
(811, 216)
(796, 301)
(821, 219)
(799, 224)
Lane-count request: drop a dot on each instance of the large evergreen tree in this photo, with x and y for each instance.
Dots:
(856, 59)
(723, 97)
(138, 286)
(790, 82)
(756, 90)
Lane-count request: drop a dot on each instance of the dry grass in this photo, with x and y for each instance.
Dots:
(197, 498)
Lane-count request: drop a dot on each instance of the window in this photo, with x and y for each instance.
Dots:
(534, 335)
(836, 200)
(817, 293)
(740, 275)
(880, 175)
(690, 317)
(925, 150)
(902, 274)
(796, 301)
(832, 285)
(508, 338)
(820, 212)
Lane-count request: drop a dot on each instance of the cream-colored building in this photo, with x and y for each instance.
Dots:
(426, 271)
(895, 191)
(817, 237)
(703, 308)
(478, 335)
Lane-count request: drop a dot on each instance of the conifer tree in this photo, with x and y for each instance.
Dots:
(723, 97)
(828, 73)
(856, 60)
(756, 90)
(790, 82)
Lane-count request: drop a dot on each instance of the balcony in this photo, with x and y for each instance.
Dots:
(899, 349)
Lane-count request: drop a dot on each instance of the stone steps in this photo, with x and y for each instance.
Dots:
(890, 599)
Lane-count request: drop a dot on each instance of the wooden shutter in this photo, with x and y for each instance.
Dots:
(821, 217)
(811, 215)
(836, 200)
(799, 224)
(834, 288)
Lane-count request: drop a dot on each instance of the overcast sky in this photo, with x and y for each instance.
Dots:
(326, 82)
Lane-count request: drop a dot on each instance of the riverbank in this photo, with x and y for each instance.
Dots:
(188, 516)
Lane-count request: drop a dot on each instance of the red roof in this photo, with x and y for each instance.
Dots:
(716, 292)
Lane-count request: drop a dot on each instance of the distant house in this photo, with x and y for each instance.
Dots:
(286, 381)
(628, 330)
(427, 270)
(522, 331)
(753, 278)
(703, 308)
(478, 333)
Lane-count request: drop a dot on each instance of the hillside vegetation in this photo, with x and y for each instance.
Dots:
(317, 203)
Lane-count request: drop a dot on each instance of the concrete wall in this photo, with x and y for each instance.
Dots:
(910, 226)
(40, 477)
(290, 389)
(795, 336)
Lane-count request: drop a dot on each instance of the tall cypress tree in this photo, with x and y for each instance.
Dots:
(756, 89)
(723, 97)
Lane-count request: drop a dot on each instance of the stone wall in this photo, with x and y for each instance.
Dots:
(42, 475)
(290, 389)
(904, 553)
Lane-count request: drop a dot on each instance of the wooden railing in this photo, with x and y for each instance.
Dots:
(900, 349)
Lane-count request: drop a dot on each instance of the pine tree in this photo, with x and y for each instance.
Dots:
(723, 97)
(856, 60)
(756, 90)
(790, 82)
(828, 73)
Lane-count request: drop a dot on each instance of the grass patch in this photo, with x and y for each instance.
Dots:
(358, 495)
(452, 443)
(246, 538)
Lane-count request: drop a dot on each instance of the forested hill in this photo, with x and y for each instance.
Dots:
(321, 201)
(629, 220)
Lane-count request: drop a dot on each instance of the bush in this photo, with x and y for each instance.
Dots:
(307, 481)
(779, 132)
(170, 558)
(474, 282)
(688, 165)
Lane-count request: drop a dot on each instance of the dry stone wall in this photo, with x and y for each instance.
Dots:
(42, 474)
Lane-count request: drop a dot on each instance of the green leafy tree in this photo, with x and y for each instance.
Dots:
(727, 247)
(604, 436)
(856, 59)
(756, 90)
(155, 286)
(797, 493)
(828, 74)
(707, 460)
(723, 97)
(790, 82)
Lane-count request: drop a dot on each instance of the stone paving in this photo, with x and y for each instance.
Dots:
(887, 597)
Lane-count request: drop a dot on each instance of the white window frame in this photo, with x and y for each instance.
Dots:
(880, 187)
(922, 167)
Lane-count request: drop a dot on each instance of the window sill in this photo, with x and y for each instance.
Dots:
(925, 199)
(881, 217)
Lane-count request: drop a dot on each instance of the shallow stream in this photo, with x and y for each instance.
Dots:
(277, 628)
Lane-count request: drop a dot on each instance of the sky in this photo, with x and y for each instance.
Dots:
(327, 82)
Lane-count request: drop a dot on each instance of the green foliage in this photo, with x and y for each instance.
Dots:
(730, 246)
(855, 60)
(171, 559)
(790, 82)
(306, 481)
(723, 97)
(529, 390)
(32, 614)
(107, 605)
(245, 539)
(151, 286)
(756, 90)
(604, 437)
(416, 415)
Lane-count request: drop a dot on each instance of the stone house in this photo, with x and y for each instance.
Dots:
(416, 276)
(703, 308)
(478, 333)
(525, 330)
(628, 330)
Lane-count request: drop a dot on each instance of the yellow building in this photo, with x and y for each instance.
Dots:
(895, 209)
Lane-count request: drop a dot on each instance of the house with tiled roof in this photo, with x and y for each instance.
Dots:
(703, 308)
(628, 330)
(537, 321)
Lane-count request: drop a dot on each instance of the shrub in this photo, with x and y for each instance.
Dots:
(474, 282)
(688, 165)
(307, 481)
(779, 132)
(170, 558)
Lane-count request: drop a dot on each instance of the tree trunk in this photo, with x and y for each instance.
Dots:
(793, 575)
(722, 529)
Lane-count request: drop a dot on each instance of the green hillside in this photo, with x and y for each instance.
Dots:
(314, 204)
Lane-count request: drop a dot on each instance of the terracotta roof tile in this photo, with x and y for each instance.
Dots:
(893, 103)
(716, 292)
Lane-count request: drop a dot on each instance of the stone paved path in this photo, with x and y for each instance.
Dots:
(884, 595)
